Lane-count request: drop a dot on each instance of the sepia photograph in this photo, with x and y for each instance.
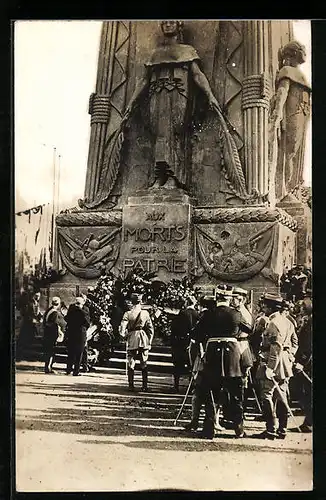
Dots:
(163, 255)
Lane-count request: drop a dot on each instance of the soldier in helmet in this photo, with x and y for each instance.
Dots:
(275, 364)
(137, 327)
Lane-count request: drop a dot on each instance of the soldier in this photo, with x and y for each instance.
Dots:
(196, 354)
(238, 300)
(225, 364)
(180, 330)
(140, 332)
(275, 367)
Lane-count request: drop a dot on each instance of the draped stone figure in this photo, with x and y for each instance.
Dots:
(168, 90)
(290, 113)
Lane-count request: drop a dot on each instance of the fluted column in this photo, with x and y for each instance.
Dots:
(256, 95)
(99, 107)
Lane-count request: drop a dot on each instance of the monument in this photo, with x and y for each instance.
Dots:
(195, 156)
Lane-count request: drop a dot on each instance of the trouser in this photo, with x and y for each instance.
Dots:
(84, 360)
(49, 360)
(305, 398)
(131, 361)
(235, 389)
(273, 404)
(199, 399)
(75, 354)
(132, 357)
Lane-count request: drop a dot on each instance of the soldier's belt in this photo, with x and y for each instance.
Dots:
(222, 339)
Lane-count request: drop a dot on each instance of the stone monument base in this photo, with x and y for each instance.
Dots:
(163, 232)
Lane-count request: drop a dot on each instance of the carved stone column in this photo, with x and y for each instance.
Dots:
(108, 101)
(255, 104)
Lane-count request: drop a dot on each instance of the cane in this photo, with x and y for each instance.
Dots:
(184, 399)
(306, 376)
(285, 402)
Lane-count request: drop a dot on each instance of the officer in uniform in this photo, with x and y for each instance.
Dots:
(238, 302)
(137, 327)
(275, 365)
(196, 354)
(224, 365)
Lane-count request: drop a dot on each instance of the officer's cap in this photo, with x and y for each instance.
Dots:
(240, 291)
(223, 290)
(274, 300)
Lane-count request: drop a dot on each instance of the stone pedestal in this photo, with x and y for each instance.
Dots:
(156, 234)
(164, 232)
(302, 214)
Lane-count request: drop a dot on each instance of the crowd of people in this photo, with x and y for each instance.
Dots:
(229, 350)
(215, 340)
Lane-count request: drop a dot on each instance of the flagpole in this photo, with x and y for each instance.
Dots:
(53, 204)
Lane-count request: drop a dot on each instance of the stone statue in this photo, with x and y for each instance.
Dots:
(290, 113)
(168, 89)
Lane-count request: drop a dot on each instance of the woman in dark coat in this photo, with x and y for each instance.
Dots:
(78, 321)
(53, 320)
(180, 338)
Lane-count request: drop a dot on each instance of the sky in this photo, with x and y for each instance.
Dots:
(55, 65)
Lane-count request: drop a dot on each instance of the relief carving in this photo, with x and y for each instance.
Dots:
(168, 91)
(228, 255)
(87, 258)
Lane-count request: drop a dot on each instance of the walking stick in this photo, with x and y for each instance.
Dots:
(254, 392)
(285, 402)
(184, 399)
(306, 376)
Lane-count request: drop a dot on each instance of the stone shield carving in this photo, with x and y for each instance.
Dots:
(233, 253)
(85, 252)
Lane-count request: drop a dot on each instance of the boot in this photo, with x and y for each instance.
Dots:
(131, 379)
(145, 379)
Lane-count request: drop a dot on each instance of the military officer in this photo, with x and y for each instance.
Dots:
(275, 367)
(137, 327)
(225, 364)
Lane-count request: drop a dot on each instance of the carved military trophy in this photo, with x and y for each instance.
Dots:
(180, 177)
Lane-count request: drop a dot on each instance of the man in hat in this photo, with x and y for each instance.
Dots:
(137, 327)
(78, 321)
(224, 364)
(275, 365)
(303, 364)
(53, 321)
(239, 296)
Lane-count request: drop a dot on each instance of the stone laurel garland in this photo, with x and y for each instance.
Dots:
(254, 214)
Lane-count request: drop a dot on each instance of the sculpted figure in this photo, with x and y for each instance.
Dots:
(172, 79)
(289, 116)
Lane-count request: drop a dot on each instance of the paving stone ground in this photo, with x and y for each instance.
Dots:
(89, 433)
